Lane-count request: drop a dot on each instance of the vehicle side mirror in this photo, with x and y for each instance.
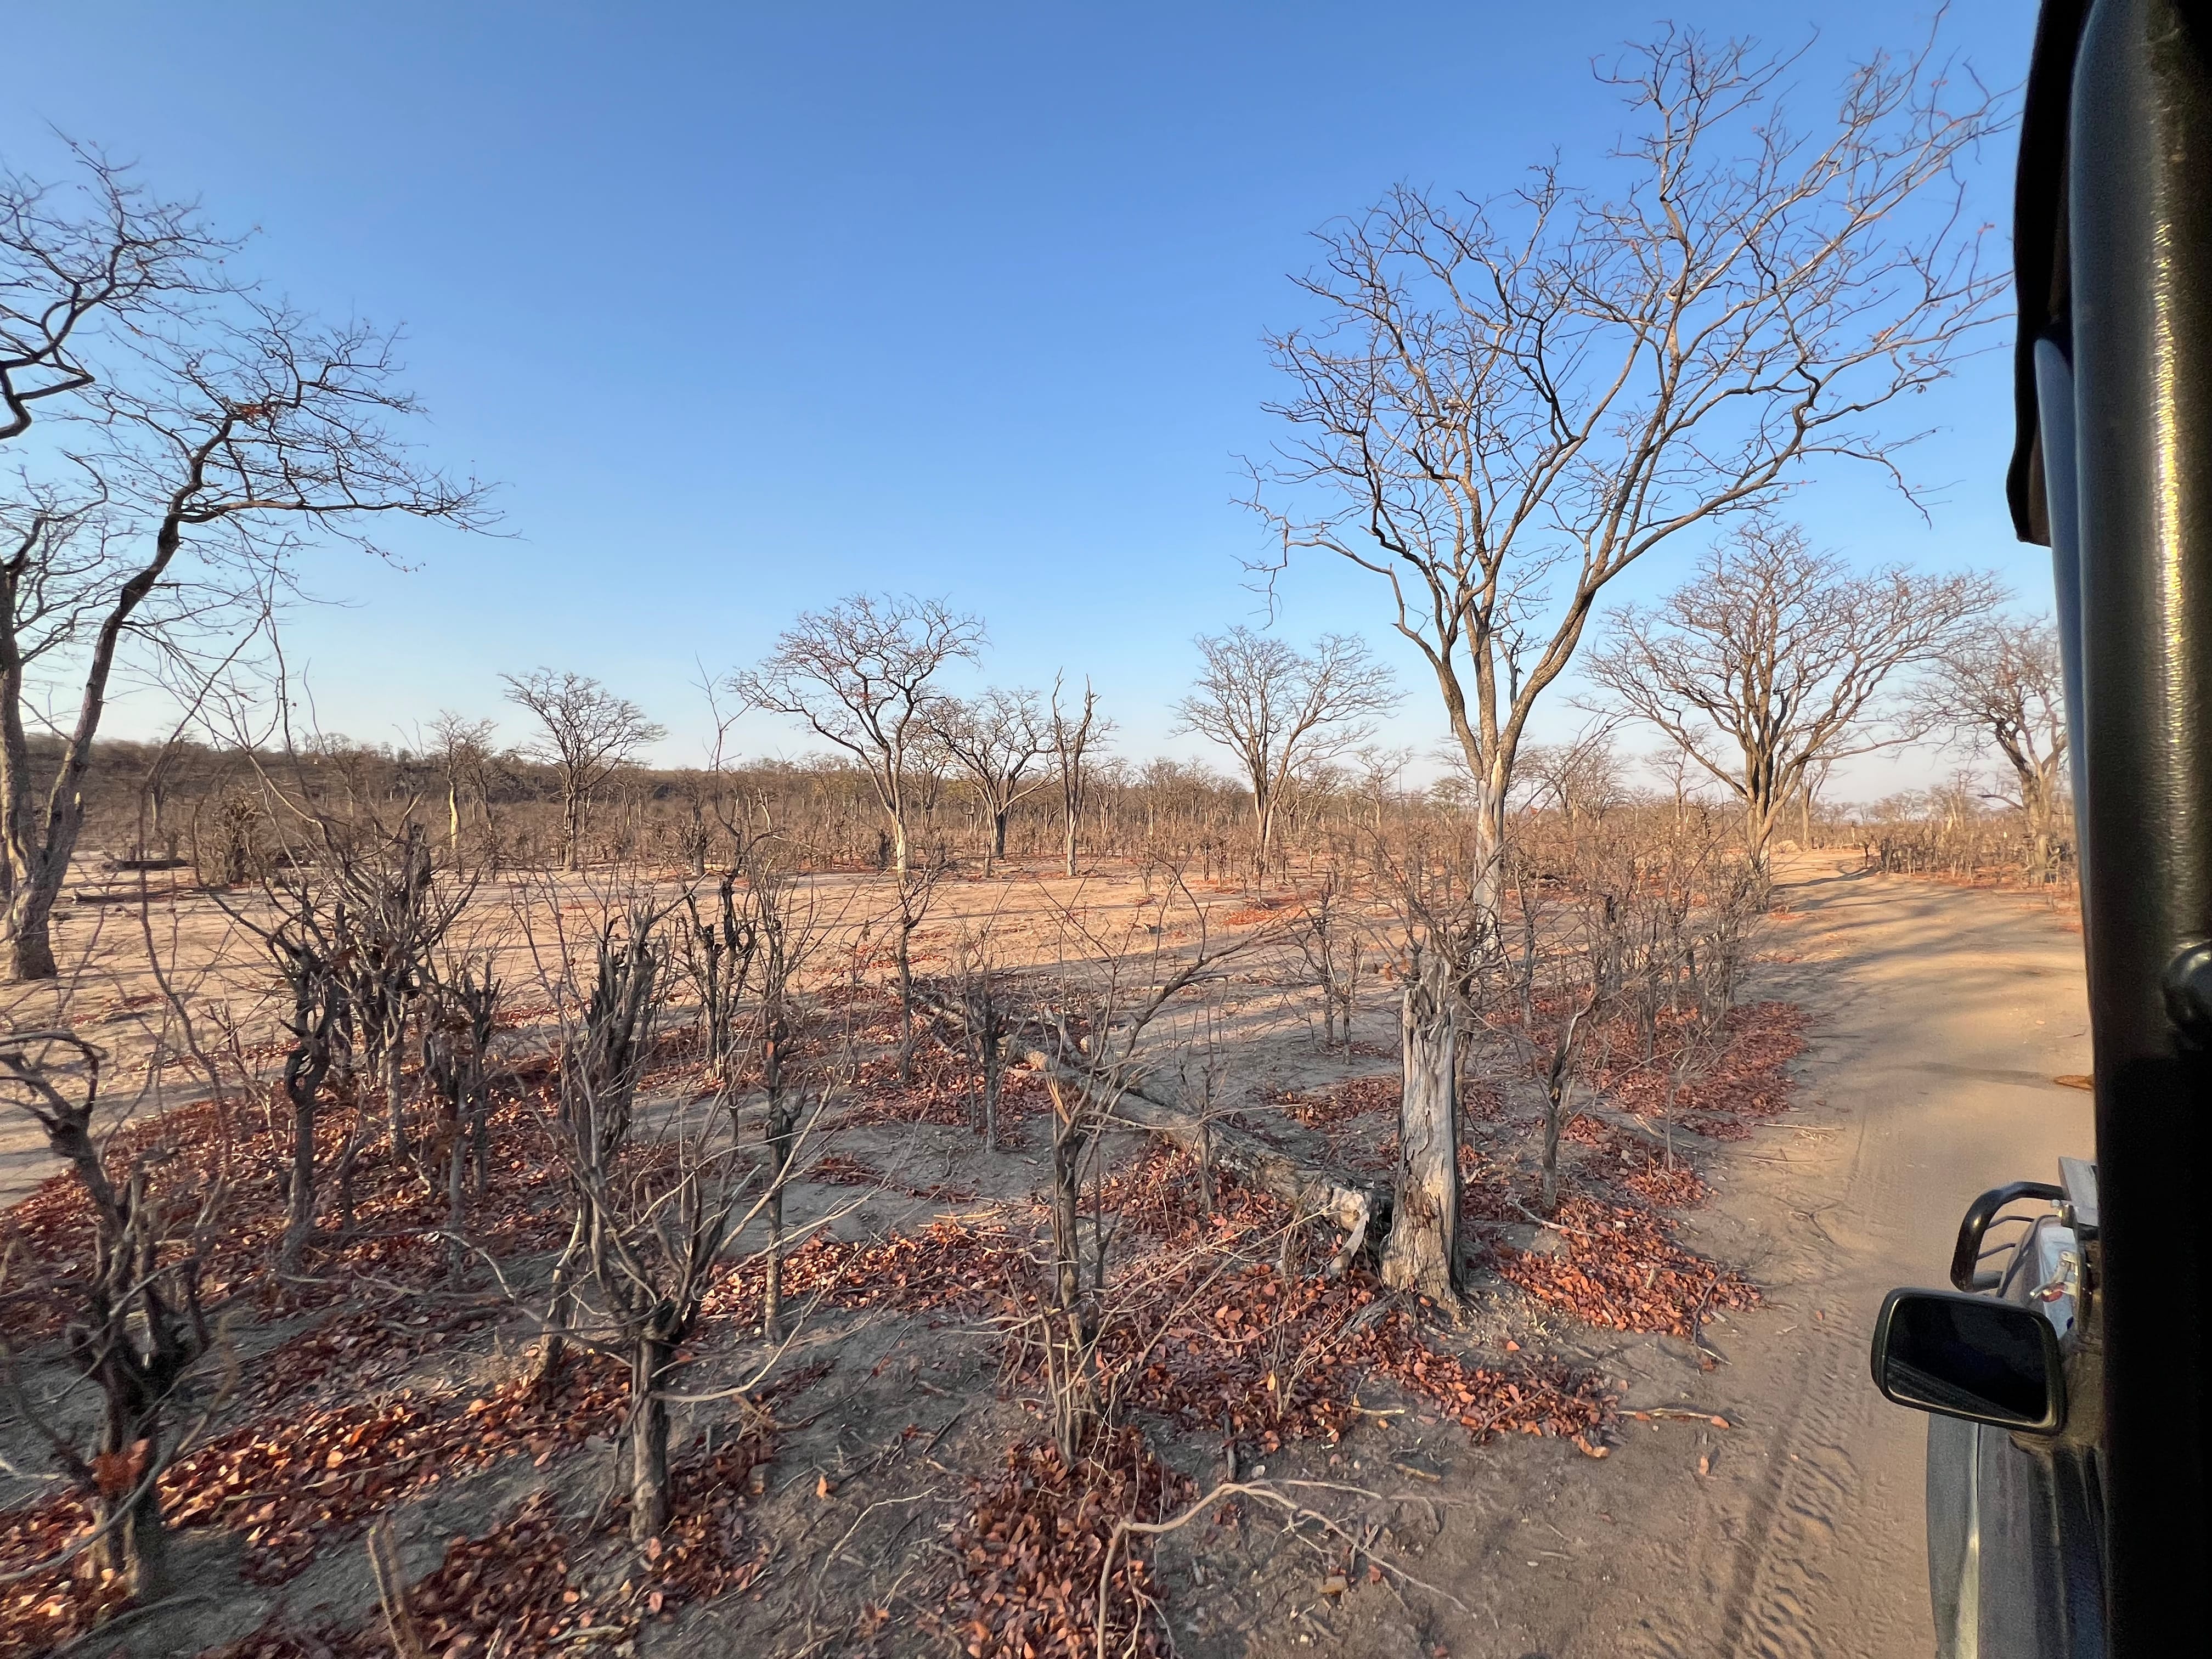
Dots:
(1971, 1357)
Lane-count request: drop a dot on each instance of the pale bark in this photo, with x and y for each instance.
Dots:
(1422, 1256)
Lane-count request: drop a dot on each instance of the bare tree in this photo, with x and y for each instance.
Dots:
(1280, 711)
(995, 739)
(459, 1019)
(1771, 660)
(307, 947)
(1327, 934)
(219, 452)
(590, 735)
(858, 674)
(2002, 684)
(1580, 779)
(137, 1331)
(1555, 383)
(654, 1204)
(1075, 733)
(463, 749)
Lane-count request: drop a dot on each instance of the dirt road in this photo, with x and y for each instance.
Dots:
(1941, 1019)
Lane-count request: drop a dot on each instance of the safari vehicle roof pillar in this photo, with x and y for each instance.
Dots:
(2116, 277)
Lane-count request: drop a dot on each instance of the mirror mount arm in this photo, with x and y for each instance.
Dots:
(1967, 1257)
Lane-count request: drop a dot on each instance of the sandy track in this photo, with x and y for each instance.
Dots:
(1940, 1017)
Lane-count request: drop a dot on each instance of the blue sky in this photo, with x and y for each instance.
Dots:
(750, 307)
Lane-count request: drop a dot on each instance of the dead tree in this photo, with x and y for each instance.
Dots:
(1076, 732)
(2001, 685)
(205, 452)
(135, 1329)
(718, 951)
(987, 1020)
(459, 1018)
(1280, 712)
(915, 889)
(463, 749)
(305, 947)
(1422, 1255)
(1093, 1043)
(655, 1203)
(994, 739)
(1773, 659)
(859, 676)
(606, 1038)
(397, 909)
(1327, 934)
(589, 735)
(1505, 404)
(790, 932)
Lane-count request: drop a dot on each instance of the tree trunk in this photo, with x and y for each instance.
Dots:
(456, 1168)
(1067, 1145)
(1758, 830)
(648, 1440)
(1487, 882)
(30, 922)
(772, 1278)
(1071, 844)
(395, 1088)
(1556, 1089)
(138, 1548)
(2035, 796)
(907, 1030)
(1422, 1256)
(299, 1205)
(777, 1127)
(552, 1351)
(898, 845)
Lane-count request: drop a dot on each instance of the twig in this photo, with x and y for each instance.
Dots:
(1266, 1492)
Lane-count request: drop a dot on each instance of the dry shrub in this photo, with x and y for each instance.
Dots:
(1635, 1164)
(37, 1614)
(295, 1483)
(1746, 1080)
(397, 1217)
(513, 1582)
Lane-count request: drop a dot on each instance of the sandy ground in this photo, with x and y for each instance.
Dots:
(1941, 1016)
